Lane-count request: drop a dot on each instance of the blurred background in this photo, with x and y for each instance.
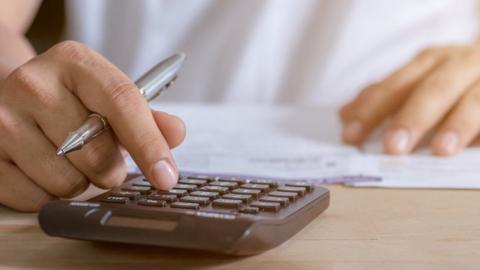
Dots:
(308, 52)
(47, 28)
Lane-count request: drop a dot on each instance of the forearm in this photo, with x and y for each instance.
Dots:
(14, 50)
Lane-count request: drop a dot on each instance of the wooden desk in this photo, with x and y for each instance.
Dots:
(362, 229)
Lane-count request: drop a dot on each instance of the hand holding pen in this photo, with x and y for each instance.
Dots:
(53, 94)
(150, 85)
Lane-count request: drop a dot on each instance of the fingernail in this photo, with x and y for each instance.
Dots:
(398, 141)
(164, 176)
(448, 142)
(353, 131)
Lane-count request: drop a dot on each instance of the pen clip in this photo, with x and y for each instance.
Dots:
(171, 82)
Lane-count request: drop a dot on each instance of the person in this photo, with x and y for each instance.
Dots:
(412, 63)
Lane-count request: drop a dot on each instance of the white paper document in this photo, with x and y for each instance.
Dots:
(303, 143)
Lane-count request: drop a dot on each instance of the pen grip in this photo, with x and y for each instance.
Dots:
(92, 127)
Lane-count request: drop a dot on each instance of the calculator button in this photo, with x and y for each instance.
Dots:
(229, 185)
(227, 203)
(193, 199)
(252, 192)
(249, 210)
(185, 205)
(282, 201)
(271, 183)
(150, 202)
(292, 196)
(177, 192)
(114, 199)
(142, 184)
(196, 182)
(263, 188)
(266, 206)
(305, 185)
(185, 187)
(142, 190)
(208, 194)
(299, 190)
(132, 195)
(232, 180)
(201, 177)
(243, 197)
(163, 197)
(221, 190)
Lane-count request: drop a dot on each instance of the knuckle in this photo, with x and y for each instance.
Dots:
(104, 165)
(97, 157)
(112, 177)
(25, 82)
(71, 50)
(372, 89)
(433, 88)
(69, 183)
(8, 123)
(344, 112)
(21, 78)
(124, 95)
(372, 94)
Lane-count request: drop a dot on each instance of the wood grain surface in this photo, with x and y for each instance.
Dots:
(362, 229)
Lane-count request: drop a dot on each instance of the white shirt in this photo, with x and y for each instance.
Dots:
(268, 52)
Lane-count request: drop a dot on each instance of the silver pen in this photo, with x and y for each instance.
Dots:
(151, 84)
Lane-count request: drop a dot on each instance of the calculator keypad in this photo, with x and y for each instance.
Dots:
(244, 196)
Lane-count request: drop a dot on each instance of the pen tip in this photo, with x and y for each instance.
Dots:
(60, 152)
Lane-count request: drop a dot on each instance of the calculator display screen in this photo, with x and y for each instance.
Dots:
(142, 223)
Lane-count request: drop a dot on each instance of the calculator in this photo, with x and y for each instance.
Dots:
(219, 214)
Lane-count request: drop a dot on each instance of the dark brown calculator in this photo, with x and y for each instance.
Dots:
(212, 213)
